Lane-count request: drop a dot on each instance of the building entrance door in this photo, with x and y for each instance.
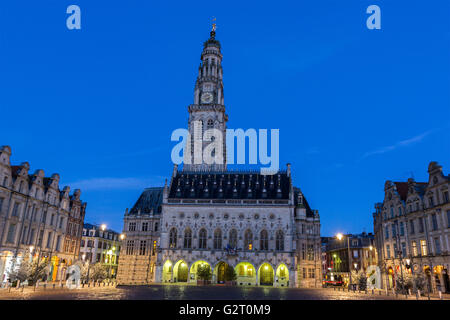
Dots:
(182, 273)
(266, 275)
(221, 272)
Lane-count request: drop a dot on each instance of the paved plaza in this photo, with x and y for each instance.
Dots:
(188, 292)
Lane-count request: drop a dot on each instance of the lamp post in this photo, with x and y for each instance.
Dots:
(340, 236)
(103, 228)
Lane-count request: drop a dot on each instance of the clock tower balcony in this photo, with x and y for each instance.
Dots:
(206, 107)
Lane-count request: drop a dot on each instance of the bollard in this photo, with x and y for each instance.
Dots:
(440, 295)
(418, 292)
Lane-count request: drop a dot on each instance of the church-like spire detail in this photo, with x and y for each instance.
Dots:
(208, 109)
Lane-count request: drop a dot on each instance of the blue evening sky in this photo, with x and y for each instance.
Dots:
(355, 107)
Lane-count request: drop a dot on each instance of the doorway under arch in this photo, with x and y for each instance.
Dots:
(282, 275)
(167, 271)
(265, 275)
(220, 272)
(180, 271)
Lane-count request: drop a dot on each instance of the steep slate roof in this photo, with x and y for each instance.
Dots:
(150, 199)
(402, 189)
(229, 185)
(309, 212)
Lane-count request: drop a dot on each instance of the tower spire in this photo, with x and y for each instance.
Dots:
(208, 110)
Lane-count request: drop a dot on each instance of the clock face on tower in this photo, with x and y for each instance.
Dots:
(206, 97)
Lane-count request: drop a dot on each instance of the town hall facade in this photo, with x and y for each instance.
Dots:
(258, 224)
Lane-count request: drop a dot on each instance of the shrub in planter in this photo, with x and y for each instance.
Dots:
(204, 274)
(230, 276)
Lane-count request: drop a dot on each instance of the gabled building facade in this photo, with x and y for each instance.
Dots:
(412, 230)
(37, 219)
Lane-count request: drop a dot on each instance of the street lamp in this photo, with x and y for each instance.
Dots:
(103, 227)
(122, 236)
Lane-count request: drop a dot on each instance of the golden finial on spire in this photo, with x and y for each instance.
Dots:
(214, 24)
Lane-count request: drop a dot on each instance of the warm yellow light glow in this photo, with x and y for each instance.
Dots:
(339, 236)
(31, 248)
(122, 236)
(114, 248)
(282, 267)
(266, 267)
(183, 264)
(371, 248)
(103, 227)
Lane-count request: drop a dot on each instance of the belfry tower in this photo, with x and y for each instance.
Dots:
(208, 110)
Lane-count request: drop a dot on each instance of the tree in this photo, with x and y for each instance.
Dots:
(98, 272)
(361, 280)
(204, 272)
(403, 284)
(230, 274)
(31, 271)
(84, 267)
(419, 283)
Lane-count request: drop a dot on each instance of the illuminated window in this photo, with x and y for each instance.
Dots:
(414, 249)
(423, 246)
